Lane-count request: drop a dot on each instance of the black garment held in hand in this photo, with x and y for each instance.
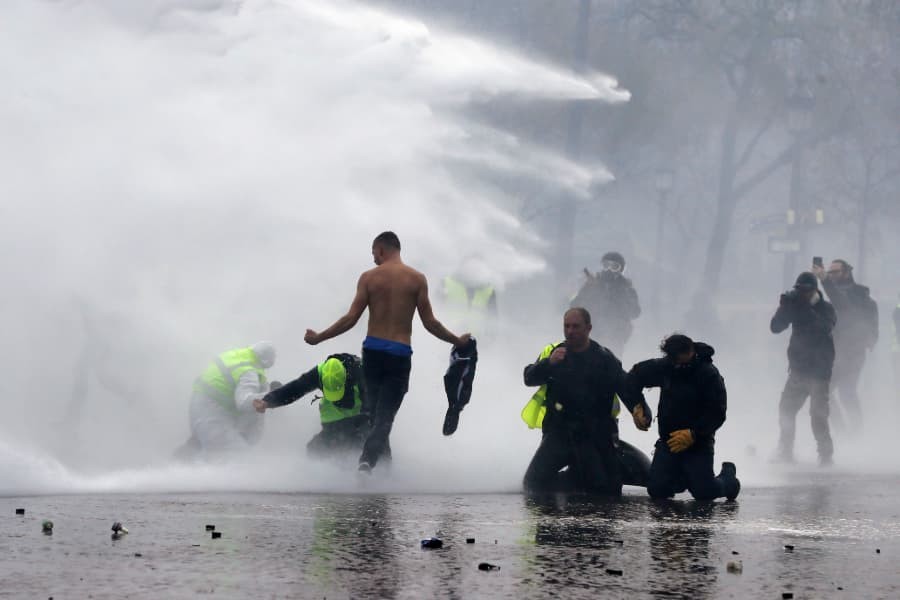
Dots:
(579, 430)
(458, 382)
(692, 396)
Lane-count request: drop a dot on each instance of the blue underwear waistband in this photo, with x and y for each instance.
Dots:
(388, 346)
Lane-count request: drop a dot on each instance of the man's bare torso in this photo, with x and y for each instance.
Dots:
(393, 291)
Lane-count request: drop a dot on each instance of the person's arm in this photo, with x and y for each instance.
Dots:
(646, 374)
(715, 404)
(247, 390)
(294, 390)
(345, 323)
(642, 418)
(782, 318)
(432, 325)
(632, 305)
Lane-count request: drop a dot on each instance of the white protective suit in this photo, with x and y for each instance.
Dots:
(215, 429)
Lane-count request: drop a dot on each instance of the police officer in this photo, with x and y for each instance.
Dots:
(575, 407)
(344, 425)
(810, 362)
(692, 405)
(612, 302)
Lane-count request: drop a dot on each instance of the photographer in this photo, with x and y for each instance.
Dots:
(810, 359)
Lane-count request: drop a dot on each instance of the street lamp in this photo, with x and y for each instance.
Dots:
(799, 105)
(665, 181)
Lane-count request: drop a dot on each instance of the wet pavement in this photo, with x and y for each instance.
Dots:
(826, 535)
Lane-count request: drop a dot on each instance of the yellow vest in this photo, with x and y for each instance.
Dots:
(471, 313)
(534, 412)
(221, 377)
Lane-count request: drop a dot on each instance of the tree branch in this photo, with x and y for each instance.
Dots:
(748, 151)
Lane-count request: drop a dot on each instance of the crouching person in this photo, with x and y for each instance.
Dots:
(692, 407)
(341, 406)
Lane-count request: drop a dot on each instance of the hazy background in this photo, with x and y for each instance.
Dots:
(182, 177)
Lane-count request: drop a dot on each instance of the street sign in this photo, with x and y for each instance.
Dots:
(783, 245)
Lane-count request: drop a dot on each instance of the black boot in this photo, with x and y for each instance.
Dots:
(728, 475)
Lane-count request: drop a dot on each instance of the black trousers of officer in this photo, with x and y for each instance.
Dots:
(692, 470)
(592, 461)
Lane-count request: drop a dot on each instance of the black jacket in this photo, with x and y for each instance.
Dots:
(857, 316)
(811, 349)
(580, 390)
(613, 304)
(310, 381)
(691, 396)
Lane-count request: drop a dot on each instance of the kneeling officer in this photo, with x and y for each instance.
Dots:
(344, 427)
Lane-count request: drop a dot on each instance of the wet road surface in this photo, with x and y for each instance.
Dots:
(824, 536)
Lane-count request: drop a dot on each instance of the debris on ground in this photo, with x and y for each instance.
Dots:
(210, 527)
(118, 530)
(614, 571)
(20, 511)
(432, 543)
(788, 548)
(487, 567)
(47, 526)
(735, 566)
(470, 540)
(216, 535)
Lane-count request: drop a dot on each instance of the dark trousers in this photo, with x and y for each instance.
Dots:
(387, 380)
(798, 388)
(692, 470)
(593, 465)
(341, 436)
(847, 370)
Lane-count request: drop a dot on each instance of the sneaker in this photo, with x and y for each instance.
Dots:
(732, 484)
(364, 467)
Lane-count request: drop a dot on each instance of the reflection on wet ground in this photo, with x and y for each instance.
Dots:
(368, 546)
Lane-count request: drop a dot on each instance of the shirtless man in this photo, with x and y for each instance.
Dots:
(392, 292)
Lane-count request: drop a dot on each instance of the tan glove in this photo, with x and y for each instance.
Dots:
(680, 440)
(640, 419)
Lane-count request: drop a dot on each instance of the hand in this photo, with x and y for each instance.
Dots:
(463, 340)
(311, 337)
(557, 356)
(260, 405)
(680, 440)
(785, 300)
(819, 271)
(640, 419)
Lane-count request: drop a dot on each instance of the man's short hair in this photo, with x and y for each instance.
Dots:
(676, 344)
(581, 311)
(388, 239)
